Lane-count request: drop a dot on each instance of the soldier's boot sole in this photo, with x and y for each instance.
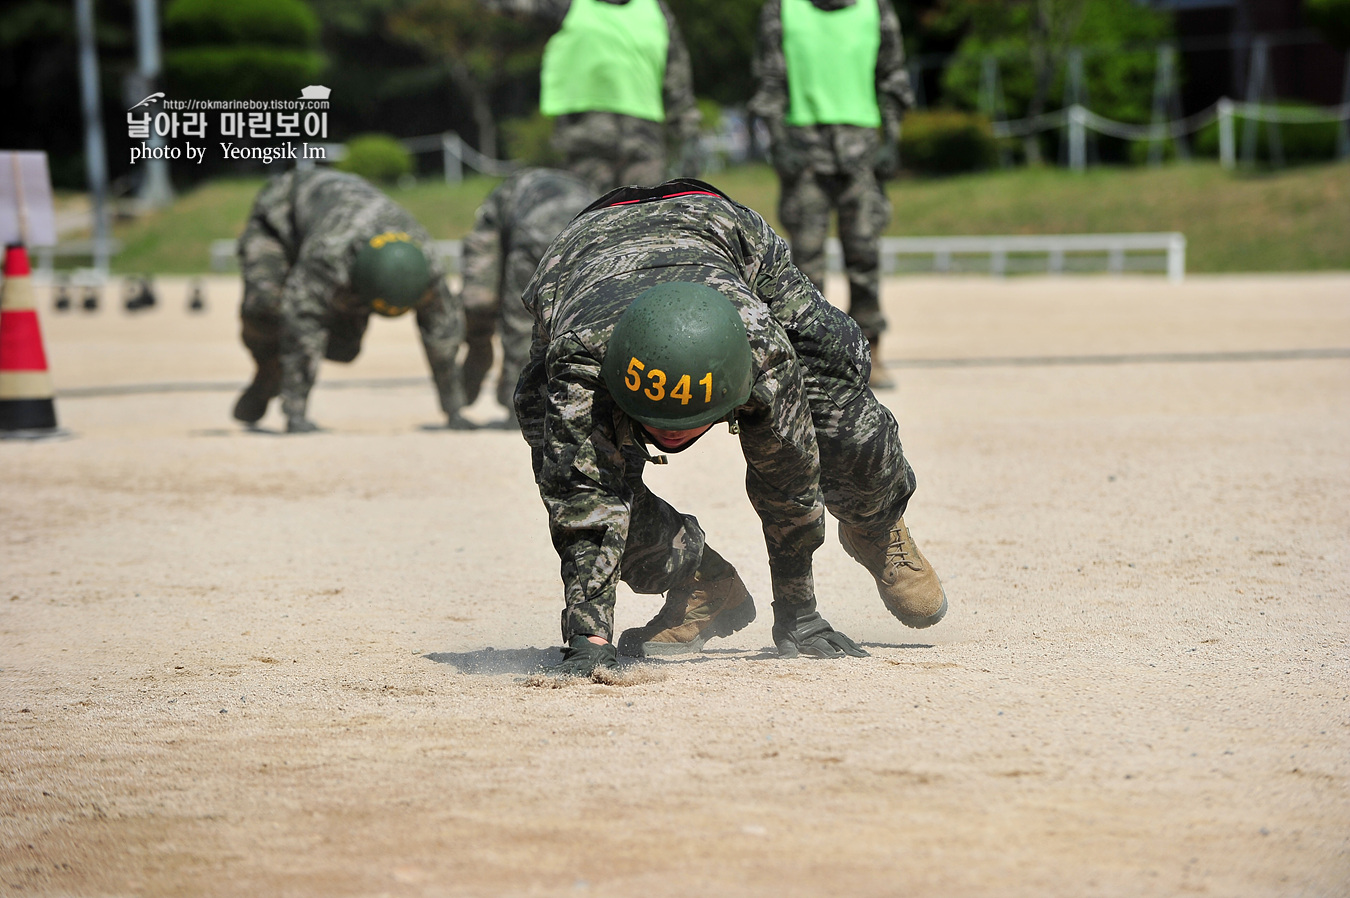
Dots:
(725, 624)
(913, 621)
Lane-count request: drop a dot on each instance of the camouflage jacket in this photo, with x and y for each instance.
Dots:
(513, 228)
(830, 148)
(677, 90)
(583, 444)
(321, 218)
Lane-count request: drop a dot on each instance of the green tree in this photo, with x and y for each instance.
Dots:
(482, 52)
(241, 49)
(1030, 41)
(1332, 18)
(720, 35)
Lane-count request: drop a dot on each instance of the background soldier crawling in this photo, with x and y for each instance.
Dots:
(659, 312)
(321, 251)
(511, 232)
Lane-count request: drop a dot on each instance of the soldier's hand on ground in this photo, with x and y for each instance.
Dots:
(301, 425)
(581, 657)
(800, 630)
(887, 161)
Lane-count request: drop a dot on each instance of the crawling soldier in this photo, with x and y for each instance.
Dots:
(659, 312)
(320, 252)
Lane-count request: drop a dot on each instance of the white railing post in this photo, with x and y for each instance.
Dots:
(1176, 258)
(1055, 262)
(1227, 146)
(450, 158)
(1077, 137)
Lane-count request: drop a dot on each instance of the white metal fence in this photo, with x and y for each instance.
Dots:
(1078, 120)
(997, 255)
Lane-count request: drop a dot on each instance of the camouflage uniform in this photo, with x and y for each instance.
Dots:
(607, 149)
(813, 435)
(826, 166)
(296, 253)
(513, 228)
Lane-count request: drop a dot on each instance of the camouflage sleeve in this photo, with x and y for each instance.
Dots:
(304, 333)
(894, 92)
(529, 396)
(482, 259)
(677, 89)
(581, 481)
(782, 477)
(770, 69)
(441, 324)
(263, 264)
(786, 482)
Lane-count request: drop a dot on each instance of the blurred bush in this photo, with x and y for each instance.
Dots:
(528, 141)
(240, 49)
(1314, 142)
(376, 157)
(946, 142)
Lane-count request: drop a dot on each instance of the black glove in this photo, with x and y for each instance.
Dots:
(301, 424)
(800, 630)
(887, 161)
(581, 657)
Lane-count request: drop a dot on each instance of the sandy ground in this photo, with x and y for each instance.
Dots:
(238, 663)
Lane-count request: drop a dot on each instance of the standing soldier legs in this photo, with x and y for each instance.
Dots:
(804, 209)
(864, 212)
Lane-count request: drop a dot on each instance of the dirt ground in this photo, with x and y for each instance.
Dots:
(238, 663)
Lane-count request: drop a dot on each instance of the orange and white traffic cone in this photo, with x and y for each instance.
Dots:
(26, 405)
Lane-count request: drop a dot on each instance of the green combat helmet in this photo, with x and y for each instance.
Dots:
(391, 273)
(679, 358)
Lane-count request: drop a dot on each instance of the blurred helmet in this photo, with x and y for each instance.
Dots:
(391, 273)
(679, 357)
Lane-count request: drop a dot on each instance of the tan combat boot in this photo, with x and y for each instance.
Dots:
(716, 603)
(908, 584)
(880, 378)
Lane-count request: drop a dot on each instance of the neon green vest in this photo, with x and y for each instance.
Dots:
(832, 63)
(607, 58)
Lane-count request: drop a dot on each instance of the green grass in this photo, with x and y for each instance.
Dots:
(1296, 220)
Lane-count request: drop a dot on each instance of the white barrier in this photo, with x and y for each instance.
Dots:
(1055, 247)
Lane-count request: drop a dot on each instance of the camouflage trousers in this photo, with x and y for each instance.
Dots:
(507, 316)
(864, 211)
(265, 267)
(608, 150)
(865, 479)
